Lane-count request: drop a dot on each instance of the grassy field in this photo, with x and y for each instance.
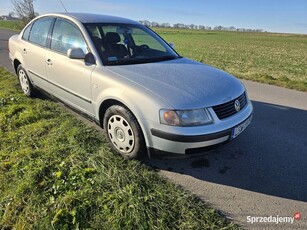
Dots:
(278, 59)
(55, 173)
(13, 25)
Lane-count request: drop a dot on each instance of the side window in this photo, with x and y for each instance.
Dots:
(26, 32)
(94, 31)
(39, 31)
(66, 36)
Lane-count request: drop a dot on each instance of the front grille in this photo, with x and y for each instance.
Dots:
(228, 109)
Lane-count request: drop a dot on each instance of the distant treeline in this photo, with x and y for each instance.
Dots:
(197, 27)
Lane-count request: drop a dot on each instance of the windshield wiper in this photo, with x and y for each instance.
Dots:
(120, 62)
(140, 61)
(164, 58)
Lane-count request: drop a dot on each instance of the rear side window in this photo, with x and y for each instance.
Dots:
(66, 36)
(39, 31)
(26, 32)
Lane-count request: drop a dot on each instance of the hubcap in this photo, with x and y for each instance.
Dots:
(24, 82)
(121, 134)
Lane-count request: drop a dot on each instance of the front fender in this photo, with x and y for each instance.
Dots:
(144, 104)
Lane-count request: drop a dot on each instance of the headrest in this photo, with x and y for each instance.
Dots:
(112, 37)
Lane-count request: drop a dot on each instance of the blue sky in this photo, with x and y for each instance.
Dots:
(289, 16)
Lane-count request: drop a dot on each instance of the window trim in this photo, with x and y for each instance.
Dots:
(49, 30)
(75, 25)
(28, 27)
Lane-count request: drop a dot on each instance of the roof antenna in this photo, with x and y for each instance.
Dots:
(63, 6)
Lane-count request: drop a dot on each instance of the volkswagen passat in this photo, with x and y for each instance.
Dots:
(130, 81)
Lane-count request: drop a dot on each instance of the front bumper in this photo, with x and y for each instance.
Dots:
(188, 140)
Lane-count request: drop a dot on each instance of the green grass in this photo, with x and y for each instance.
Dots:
(13, 25)
(278, 59)
(56, 173)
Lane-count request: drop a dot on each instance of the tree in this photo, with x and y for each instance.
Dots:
(11, 14)
(192, 27)
(24, 9)
(218, 28)
(165, 25)
(155, 24)
(179, 25)
(145, 22)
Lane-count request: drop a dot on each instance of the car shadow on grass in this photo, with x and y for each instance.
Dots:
(270, 157)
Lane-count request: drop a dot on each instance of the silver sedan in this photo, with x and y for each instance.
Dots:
(125, 77)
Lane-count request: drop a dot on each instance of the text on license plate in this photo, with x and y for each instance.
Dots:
(236, 131)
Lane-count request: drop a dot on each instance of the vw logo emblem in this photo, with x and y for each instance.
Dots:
(237, 105)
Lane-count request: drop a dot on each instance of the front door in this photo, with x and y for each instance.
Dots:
(70, 79)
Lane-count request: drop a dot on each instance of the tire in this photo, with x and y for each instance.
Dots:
(123, 132)
(25, 82)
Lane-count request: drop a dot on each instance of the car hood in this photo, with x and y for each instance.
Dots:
(183, 83)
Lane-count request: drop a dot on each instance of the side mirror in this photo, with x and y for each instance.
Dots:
(75, 53)
(172, 45)
(90, 59)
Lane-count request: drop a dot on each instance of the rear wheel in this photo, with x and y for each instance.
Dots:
(24, 81)
(123, 132)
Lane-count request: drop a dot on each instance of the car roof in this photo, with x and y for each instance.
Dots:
(94, 18)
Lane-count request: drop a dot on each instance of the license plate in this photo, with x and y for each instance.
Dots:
(236, 131)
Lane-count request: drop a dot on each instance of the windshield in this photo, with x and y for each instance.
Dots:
(121, 44)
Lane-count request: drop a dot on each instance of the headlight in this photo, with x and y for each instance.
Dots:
(185, 117)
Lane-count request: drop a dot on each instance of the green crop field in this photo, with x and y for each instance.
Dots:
(279, 59)
(13, 25)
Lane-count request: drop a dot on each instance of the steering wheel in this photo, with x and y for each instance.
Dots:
(144, 47)
(138, 50)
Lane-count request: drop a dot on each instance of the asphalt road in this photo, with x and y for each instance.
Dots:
(262, 173)
(4, 60)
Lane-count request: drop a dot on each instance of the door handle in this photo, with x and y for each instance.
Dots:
(49, 62)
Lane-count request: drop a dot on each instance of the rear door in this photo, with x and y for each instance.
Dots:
(70, 79)
(34, 51)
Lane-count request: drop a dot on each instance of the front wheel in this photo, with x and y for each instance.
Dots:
(123, 132)
(25, 83)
